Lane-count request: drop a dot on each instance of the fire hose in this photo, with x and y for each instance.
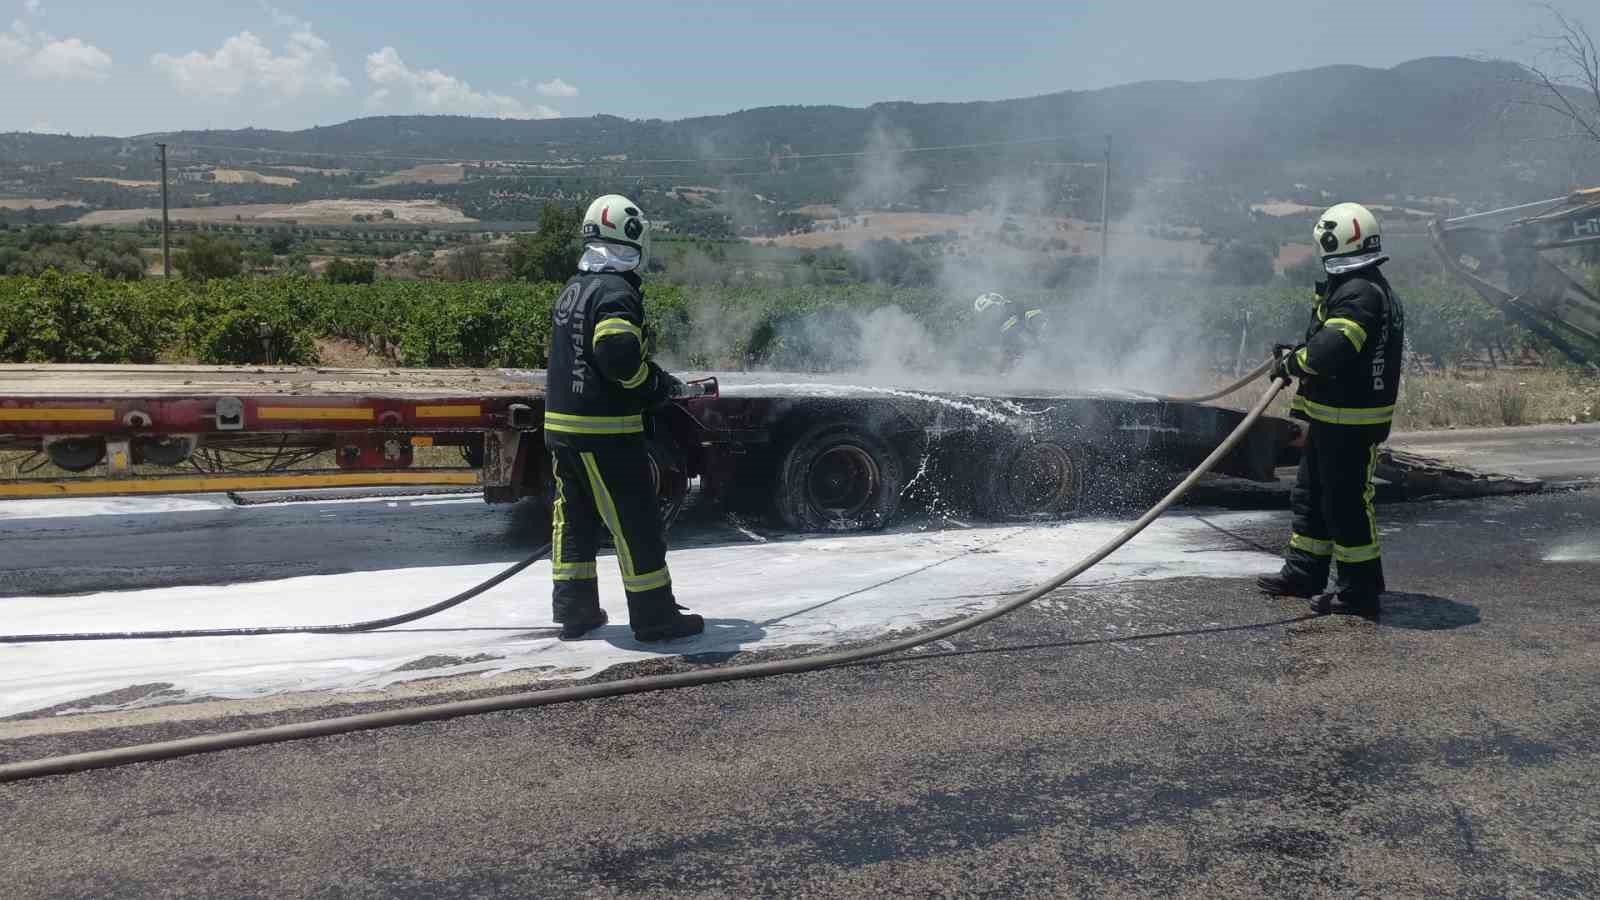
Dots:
(163, 750)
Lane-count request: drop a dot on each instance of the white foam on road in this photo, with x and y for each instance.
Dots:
(755, 596)
(1575, 551)
(66, 508)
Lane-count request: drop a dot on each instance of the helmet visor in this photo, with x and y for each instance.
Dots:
(1339, 265)
(604, 256)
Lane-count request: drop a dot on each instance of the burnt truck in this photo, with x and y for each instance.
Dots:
(811, 452)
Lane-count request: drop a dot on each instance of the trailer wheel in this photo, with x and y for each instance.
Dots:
(77, 454)
(1028, 478)
(838, 477)
(163, 450)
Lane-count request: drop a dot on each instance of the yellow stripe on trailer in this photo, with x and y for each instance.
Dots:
(58, 414)
(199, 484)
(301, 413)
(449, 412)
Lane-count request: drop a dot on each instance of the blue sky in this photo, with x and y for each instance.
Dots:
(128, 68)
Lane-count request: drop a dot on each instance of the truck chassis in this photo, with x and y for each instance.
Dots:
(812, 454)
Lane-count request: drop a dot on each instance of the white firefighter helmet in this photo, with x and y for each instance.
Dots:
(1347, 238)
(985, 301)
(616, 221)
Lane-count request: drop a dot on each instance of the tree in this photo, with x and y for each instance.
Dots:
(281, 242)
(1566, 76)
(1243, 262)
(551, 252)
(351, 271)
(208, 257)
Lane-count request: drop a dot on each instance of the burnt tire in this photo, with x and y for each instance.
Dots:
(670, 475)
(838, 476)
(1031, 478)
(162, 450)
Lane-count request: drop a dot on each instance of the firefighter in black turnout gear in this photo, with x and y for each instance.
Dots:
(1016, 329)
(600, 385)
(1349, 373)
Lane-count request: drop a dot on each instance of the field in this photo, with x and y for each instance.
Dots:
(245, 176)
(316, 212)
(31, 203)
(431, 174)
(1079, 236)
(122, 182)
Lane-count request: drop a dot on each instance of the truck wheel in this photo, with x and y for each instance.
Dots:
(1027, 478)
(671, 479)
(77, 454)
(838, 477)
(162, 451)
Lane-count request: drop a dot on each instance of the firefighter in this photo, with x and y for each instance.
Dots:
(1349, 372)
(1016, 328)
(600, 385)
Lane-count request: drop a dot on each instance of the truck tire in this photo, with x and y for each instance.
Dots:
(1028, 478)
(838, 476)
(76, 454)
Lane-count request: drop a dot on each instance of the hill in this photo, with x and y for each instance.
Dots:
(1439, 127)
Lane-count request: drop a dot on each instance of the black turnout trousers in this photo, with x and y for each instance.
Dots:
(1334, 520)
(608, 487)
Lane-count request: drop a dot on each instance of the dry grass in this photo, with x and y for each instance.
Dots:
(31, 203)
(1496, 398)
(123, 182)
(245, 176)
(1476, 399)
(315, 212)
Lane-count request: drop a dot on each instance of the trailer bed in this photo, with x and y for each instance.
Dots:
(35, 381)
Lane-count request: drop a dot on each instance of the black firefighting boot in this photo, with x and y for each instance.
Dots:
(573, 629)
(660, 618)
(1286, 585)
(1347, 602)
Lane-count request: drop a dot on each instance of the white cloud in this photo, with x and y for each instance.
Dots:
(286, 20)
(245, 64)
(432, 91)
(44, 56)
(555, 87)
(32, 6)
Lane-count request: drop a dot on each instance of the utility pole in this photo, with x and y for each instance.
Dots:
(1105, 216)
(166, 256)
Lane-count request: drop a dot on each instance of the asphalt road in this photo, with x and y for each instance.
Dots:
(1550, 452)
(1179, 738)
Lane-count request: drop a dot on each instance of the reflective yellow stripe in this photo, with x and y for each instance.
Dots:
(1035, 312)
(570, 424)
(1311, 545)
(306, 413)
(1304, 360)
(608, 515)
(1366, 552)
(616, 326)
(68, 414)
(449, 412)
(574, 572)
(1355, 554)
(1010, 324)
(638, 377)
(649, 581)
(1350, 329)
(1334, 415)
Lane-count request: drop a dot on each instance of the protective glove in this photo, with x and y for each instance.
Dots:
(1284, 356)
(662, 386)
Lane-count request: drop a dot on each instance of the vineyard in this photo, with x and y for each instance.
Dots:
(85, 317)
